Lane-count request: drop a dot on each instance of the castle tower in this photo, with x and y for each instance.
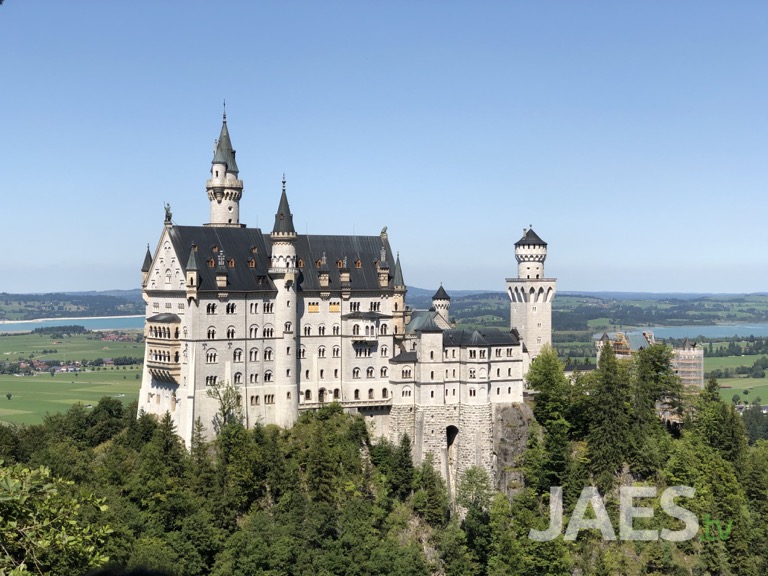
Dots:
(398, 300)
(441, 302)
(531, 293)
(224, 189)
(284, 309)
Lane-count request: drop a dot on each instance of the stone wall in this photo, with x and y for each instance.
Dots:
(511, 423)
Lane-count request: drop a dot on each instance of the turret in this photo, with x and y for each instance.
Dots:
(146, 267)
(224, 188)
(441, 302)
(531, 294)
(193, 273)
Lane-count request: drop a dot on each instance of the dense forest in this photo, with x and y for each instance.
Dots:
(87, 487)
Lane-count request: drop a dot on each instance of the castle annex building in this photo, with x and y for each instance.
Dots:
(294, 321)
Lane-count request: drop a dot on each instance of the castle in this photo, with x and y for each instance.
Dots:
(296, 321)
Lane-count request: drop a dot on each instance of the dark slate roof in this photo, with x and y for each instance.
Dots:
(366, 316)
(283, 217)
(441, 294)
(404, 357)
(420, 321)
(398, 273)
(530, 238)
(147, 261)
(239, 244)
(164, 318)
(224, 153)
(483, 337)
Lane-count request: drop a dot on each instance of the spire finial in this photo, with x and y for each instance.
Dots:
(283, 181)
(225, 109)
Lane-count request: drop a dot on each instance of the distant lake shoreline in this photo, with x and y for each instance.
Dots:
(88, 322)
(745, 330)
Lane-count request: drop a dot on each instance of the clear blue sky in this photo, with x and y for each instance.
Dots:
(632, 135)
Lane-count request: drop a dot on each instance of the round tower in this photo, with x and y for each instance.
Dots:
(284, 272)
(224, 188)
(531, 294)
(441, 302)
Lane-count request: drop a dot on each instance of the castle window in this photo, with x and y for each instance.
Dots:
(369, 372)
(335, 372)
(384, 393)
(472, 392)
(358, 263)
(336, 329)
(498, 391)
(237, 356)
(321, 330)
(432, 375)
(254, 400)
(268, 376)
(211, 333)
(384, 351)
(307, 330)
(431, 355)
(482, 353)
(268, 354)
(335, 393)
(254, 307)
(339, 264)
(301, 263)
(302, 352)
(251, 263)
(269, 399)
(509, 390)
(472, 373)
(269, 332)
(509, 352)
(288, 373)
(231, 262)
(238, 378)
(370, 394)
(211, 263)
(215, 249)
(209, 381)
(211, 357)
(322, 374)
(321, 352)
(253, 331)
(498, 371)
(383, 371)
(336, 351)
(357, 394)
(432, 394)
(307, 395)
(406, 392)
(356, 330)
(509, 371)
(288, 396)
(383, 330)
(313, 307)
(253, 378)
(231, 332)
(231, 308)
(406, 373)
(472, 354)
(210, 309)
(356, 373)
(288, 327)
(253, 354)
(268, 307)
(334, 307)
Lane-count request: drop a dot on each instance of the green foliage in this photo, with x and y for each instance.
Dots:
(41, 527)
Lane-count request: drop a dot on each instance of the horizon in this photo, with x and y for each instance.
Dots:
(632, 138)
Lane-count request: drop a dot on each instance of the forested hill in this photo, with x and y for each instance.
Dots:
(70, 305)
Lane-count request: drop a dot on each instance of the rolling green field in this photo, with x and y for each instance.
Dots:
(68, 348)
(34, 396)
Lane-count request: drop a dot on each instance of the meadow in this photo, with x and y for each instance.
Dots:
(32, 397)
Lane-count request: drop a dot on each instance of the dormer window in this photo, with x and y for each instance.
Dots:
(231, 262)
(301, 263)
(215, 249)
(358, 263)
(251, 263)
(211, 263)
(339, 264)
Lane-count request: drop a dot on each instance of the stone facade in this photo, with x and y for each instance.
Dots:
(294, 322)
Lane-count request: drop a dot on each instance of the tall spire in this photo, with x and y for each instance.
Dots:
(224, 153)
(398, 272)
(284, 218)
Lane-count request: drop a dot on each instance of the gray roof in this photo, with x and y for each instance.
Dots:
(420, 321)
(147, 261)
(482, 337)
(245, 244)
(283, 217)
(635, 340)
(404, 357)
(398, 273)
(441, 294)
(224, 153)
(530, 238)
(164, 318)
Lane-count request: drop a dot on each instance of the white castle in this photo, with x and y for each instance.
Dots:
(296, 321)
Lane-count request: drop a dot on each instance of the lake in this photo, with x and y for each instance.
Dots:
(710, 331)
(100, 323)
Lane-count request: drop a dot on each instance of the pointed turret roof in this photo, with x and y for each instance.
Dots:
(147, 261)
(283, 218)
(398, 272)
(429, 325)
(193, 264)
(224, 153)
(530, 238)
(441, 294)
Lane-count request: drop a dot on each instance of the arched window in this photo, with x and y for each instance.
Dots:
(307, 330)
(357, 394)
(321, 352)
(253, 378)
(253, 331)
(253, 354)
(268, 376)
(237, 356)
(383, 330)
(370, 394)
(307, 395)
(268, 354)
(238, 378)
(336, 329)
(356, 373)
(211, 357)
(384, 393)
(321, 330)
(336, 351)
(231, 332)
(288, 327)
(369, 372)
(211, 333)
(384, 351)
(356, 330)
(383, 371)
(406, 372)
